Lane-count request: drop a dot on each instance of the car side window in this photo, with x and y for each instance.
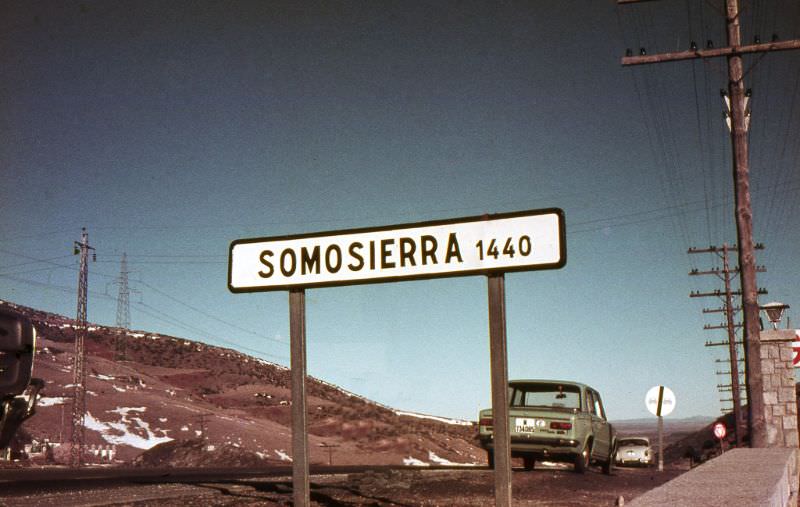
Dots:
(589, 402)
(598, 406)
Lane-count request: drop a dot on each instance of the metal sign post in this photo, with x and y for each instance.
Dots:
(490, 245)
(720, 431)
(660, 443)
(297, 330)
(499, 367)
(660, 401)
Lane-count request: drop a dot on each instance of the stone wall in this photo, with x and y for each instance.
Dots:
(780, 401)
(737, 478)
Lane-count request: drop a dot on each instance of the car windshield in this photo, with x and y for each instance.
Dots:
(546, 395)
(634, 441)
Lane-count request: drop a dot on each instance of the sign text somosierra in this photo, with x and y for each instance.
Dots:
(475, 245)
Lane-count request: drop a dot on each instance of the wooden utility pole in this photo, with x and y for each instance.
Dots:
(732, 352)
(744, 228)
(744, 214)
(729, 310)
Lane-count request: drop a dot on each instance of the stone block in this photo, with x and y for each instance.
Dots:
(786, 394)
(787, 354)
(791, 408)
(787, 381)
(771, 398)
(767, 367)
(774, 433)
(790, 423)
(778, 410)
(791, 439)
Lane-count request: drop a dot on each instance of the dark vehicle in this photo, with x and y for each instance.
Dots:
(18, 391)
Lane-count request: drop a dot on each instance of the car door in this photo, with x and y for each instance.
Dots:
(600, 426)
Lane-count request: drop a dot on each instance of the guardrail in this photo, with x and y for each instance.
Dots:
(740, 477)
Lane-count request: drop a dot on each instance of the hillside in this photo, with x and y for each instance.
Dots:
(208, 405)
(674, 429)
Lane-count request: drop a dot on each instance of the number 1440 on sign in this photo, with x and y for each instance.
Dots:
(523, 247)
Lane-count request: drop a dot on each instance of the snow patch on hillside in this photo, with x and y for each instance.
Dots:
(130, 430)
(446, 420)
(49, 402)
(440, 461)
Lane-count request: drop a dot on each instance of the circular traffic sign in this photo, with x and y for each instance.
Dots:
(660, 400)
(720, 431)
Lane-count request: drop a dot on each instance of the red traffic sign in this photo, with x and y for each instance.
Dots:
(720, 431)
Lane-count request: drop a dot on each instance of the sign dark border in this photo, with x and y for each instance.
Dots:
(497, 216)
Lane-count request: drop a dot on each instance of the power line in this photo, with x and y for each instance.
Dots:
(744, 223)
(164, 317)
(206, 314)
(36, 261)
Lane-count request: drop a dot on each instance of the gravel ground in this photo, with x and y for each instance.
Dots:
(543, 486)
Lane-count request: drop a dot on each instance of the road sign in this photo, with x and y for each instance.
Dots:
(660, 400)
(485, 244)
(488, 245)
(720, 431)
(796, 349)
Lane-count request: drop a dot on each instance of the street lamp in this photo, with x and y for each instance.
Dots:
(774, 312)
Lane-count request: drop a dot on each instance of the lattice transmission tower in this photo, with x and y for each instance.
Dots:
(123, 309)
(79, 357)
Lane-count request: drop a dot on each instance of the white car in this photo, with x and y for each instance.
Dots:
(634, 451)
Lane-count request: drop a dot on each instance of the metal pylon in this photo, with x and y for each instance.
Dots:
(123, 309)
(79, 357)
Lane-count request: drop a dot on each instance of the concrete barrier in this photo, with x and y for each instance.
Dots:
(740, 477)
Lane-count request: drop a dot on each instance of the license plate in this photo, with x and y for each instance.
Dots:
(522, 425)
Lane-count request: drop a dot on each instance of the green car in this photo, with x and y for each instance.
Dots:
(554, 420)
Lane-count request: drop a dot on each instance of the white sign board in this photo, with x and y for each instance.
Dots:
(720, 431)
(520, 241)
(660, 400)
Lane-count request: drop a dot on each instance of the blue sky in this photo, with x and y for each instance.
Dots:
(170, 130)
